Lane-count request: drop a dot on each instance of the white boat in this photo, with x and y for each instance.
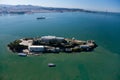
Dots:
(51, 65)
(22, 54)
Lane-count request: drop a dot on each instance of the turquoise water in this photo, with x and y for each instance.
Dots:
(102, 28)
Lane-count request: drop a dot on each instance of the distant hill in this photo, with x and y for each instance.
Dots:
(28, 9)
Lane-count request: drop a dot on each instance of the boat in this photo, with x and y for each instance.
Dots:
(51, 65)
(22, 54)
(40, 17)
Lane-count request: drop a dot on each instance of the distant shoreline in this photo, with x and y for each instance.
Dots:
(30, 9)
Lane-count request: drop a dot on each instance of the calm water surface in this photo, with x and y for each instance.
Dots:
(102, 28)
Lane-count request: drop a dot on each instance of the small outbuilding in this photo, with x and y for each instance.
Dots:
(85, 47)
(69, 50)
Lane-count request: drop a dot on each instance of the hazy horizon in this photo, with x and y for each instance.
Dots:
(97, 5)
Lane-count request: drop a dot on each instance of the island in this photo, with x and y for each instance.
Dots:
(50, 44)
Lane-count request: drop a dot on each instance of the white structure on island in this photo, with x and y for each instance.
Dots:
(36, 48)
(48, 39)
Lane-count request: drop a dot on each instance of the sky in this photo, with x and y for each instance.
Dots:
(99, 5)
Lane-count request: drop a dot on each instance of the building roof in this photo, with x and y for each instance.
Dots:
(51, 37)
(22, 54)
(84, 46)
(48, 37)
(36, 46)
(59, 38)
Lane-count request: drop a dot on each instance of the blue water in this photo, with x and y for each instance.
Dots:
(102, 28)
(102, 64)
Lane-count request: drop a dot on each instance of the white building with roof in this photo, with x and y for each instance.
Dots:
(36, 48)
(47, 39)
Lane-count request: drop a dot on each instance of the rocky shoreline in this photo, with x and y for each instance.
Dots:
(51, 44)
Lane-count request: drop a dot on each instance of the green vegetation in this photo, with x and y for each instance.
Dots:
(15, 47)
